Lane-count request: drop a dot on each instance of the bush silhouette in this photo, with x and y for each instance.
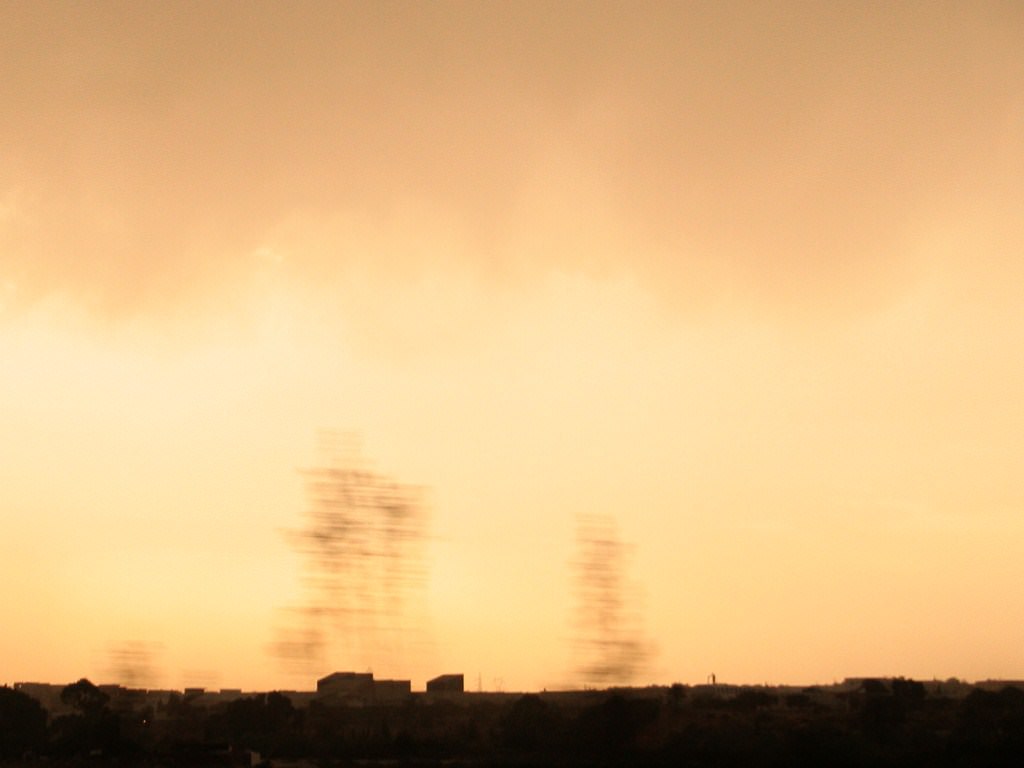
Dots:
(22, 723)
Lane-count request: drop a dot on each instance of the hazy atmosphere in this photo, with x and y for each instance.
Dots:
(744, 277)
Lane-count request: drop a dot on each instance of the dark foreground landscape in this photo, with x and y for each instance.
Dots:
(863, 722)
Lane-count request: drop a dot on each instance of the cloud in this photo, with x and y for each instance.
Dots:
(787, 159)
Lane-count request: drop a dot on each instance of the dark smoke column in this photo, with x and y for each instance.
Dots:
(363, 549)
(609, 646)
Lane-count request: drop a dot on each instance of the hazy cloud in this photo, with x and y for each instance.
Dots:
(789, 158)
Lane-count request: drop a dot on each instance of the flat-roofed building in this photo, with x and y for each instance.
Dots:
(447, 684)
(345, 682)
(359, 688)
(346, 688)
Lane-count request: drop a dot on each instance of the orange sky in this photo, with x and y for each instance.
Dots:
(745, 276)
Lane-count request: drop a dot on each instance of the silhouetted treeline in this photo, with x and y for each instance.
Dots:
(879, 723)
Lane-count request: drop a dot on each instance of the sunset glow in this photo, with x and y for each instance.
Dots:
(744, 277)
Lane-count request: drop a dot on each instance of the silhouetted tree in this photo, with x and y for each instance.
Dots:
(990, 727)
(530, 725)
(910, 693)
(246, 719)
(612, 727)
(264, 722)
(750, 700)
(676, 695)
(84, 697)
(22, 723)
(798, 701)
(280, 710)
(93, 726)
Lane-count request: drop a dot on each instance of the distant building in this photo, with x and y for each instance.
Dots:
(446, 684)
(359, 688)
(346, 684)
